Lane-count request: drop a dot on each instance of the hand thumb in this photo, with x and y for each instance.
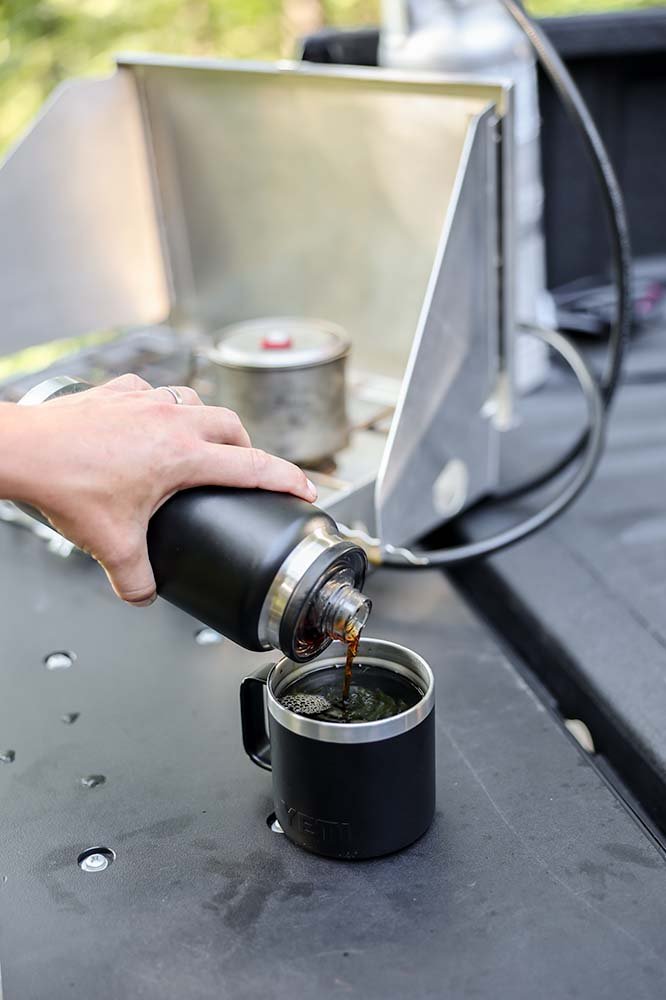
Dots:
(131, 575)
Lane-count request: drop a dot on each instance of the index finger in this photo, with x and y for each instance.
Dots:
(228, 465)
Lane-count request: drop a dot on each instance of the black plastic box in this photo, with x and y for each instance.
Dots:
(619, 63)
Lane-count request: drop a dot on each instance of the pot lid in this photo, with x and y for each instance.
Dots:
(280, 342)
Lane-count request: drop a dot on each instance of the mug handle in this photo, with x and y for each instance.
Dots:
(256, 740)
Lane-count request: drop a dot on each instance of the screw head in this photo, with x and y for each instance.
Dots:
(93, 780)
(207, 637)
(273, 824)
(95, 859)
(95, 863)
(59, 660)
(449, 490)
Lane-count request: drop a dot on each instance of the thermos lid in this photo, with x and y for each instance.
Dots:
(280, 342)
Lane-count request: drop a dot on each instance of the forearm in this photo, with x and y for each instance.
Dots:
(98, 464)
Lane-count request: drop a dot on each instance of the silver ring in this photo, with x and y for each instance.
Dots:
(177, 398)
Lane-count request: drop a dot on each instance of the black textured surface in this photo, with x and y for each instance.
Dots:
(585, 601)
(532, 881)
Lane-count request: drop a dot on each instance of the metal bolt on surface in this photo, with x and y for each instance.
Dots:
(581, 734)
(93, 780)
(95, 859)
(59, 660)
(273, 823)
(207, 637)
(95, 863)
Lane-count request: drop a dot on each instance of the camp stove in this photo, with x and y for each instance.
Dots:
(191, 195)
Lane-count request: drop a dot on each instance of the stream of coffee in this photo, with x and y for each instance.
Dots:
(358, 692)
(352, 638)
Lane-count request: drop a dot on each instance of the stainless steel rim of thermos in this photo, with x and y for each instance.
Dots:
(337, 601)
(50, 388)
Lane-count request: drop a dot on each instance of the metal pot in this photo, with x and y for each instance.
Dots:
(285, 377)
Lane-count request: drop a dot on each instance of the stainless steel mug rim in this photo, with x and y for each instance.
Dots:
(379, 652)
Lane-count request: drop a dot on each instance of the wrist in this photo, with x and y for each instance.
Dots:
(18, 466)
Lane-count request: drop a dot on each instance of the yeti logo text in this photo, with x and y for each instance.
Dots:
(326, 830)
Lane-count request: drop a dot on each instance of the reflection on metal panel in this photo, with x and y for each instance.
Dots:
(442, 448)
(79, 248)
(367, 199)
(303, 193)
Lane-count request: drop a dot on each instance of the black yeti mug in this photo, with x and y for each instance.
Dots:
(348, 790)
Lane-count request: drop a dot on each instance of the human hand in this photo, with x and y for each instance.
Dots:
(98, 464)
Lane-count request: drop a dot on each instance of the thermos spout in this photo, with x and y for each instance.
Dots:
(342, 609)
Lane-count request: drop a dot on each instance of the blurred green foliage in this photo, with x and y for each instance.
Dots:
(44, 41)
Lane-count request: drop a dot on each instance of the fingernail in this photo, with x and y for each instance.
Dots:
(312, 488)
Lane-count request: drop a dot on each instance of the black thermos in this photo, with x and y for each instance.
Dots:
(267, 570)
